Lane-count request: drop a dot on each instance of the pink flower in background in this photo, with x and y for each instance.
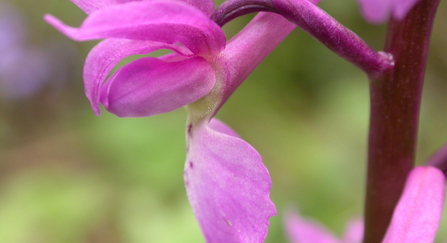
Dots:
(23, 71)
(416, 217)
(378, 11)
(26, 71)
(302, 230)
(227, 184)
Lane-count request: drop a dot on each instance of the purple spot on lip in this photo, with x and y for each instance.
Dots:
(191, 164)
(189, 129)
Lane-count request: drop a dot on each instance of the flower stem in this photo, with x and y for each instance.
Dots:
(395, 105)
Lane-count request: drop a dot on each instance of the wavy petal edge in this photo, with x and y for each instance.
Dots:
(227, 184)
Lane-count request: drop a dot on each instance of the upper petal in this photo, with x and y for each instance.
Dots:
(104, 56)
(163, 21)
(89, 6)
(227, 185)
(417, 215)
(150, 86)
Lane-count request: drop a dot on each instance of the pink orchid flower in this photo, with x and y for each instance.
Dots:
(227, 184)
(416, 217)
(378, 11)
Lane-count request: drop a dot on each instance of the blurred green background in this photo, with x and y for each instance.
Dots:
(67, 176)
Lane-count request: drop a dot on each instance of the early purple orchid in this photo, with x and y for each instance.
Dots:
(227, 184)
(378, 11)
(416, 217)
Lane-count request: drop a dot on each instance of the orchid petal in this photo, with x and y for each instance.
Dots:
(227, 185)
(150, 86)
(301, 230)
(163, 21)
(104, 56)
(417, 215)
(89, 6)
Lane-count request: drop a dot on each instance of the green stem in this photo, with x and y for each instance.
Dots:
(395, 105)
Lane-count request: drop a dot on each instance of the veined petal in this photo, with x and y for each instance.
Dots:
(301, 230)
(89, 6)
(417, 215)
(150, 86)
(227, 185)
(104, 56)
(163, 21)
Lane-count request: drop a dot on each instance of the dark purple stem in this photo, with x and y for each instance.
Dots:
(395, 103)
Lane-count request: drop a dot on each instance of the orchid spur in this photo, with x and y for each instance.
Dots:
(227, 184)
(416, 217)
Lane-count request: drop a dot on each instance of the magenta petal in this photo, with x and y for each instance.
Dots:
(104, 56)
(301, 230)
(228, 186)
(163, 21)
(150, 86)
(417, 215)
